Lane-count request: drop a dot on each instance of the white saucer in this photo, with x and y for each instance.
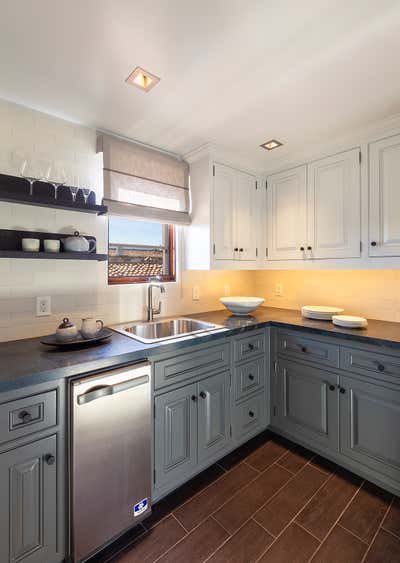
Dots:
(349, 321)
(320, 312)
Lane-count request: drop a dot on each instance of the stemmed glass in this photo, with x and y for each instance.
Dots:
(86, 193)
(27, 174)
(74, 192)
(60, 179)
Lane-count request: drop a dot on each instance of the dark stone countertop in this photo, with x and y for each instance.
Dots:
(27, 362)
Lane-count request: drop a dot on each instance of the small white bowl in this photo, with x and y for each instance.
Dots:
(242, 305)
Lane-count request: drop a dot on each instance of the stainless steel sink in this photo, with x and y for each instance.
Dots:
(164, 330)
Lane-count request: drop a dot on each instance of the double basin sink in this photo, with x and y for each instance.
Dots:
(158, 331)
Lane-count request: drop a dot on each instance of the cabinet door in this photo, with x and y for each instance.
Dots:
(384, 197)
(28, 508)
(287, 214)
(333, 200)
(213, 415)
(245, 216)
(175, 435)
(369, 425)
(223, 210)
(308, 404)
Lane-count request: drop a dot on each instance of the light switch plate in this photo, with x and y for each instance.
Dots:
(195, 293)
(279, 289)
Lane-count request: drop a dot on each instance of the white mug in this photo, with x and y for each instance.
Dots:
(51, 245)
(30, 244)
(90, 327)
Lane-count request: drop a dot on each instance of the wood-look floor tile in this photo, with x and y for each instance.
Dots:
(340, 547)
(325, 507)
(243, 505)
(366, 511)
(296, 459)
(385, 549)
(295, 545)
(392, 521)
(324, 465)
(153, 543)
(275, 515)
(198, 545)
(266, 455)
(245, 546)
(238, 455)
(201, 506)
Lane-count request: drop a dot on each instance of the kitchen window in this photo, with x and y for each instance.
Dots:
(140, 251)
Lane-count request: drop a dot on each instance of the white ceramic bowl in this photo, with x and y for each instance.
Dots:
(242, 305)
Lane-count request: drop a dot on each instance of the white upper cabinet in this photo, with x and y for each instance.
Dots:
(223, 212)
(384, 197)
(287, 214)
(333, 206)
(234, 214)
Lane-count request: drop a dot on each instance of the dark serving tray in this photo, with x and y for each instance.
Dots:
(51, 340)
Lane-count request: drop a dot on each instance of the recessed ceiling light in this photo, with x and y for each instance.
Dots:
(142, 79)
(272, 144)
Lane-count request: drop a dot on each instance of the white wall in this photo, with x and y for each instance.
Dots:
(77, 288)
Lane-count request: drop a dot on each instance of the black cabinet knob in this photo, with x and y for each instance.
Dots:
(373, 243)
(50, 459)
(25, 416)
(240, 249)
(251, 377)
(235, 249)
(381, 367)
(194, 398)
(302, 248)
(309, 247)
(251, 346)
(251, 414)
(342, 390)
(203, 395)
(332, 387)
(304, 349)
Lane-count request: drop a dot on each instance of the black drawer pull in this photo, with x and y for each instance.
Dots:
(380, 366)
(303, 349)
(373, 243)
(332, 387)
(309, 247)
(302, 248)
(25, 416)
(194, 398)
(49, 459)
(202, 395)
(235, 249)
(251, 377)
(251, 346)
(251, 414)
(342, 390)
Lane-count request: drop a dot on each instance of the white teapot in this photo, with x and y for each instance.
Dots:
(78, 243)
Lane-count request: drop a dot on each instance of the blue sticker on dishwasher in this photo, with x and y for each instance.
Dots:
(140, 507)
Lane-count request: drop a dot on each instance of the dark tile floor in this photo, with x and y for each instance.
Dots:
(269, 501)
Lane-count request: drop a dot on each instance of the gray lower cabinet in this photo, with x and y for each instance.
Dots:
(175, 435)
(213, 415)
(307, 404)
(192, 425)
(369, 425)
(28, 508)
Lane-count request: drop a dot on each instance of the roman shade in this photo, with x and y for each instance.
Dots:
(144, 183)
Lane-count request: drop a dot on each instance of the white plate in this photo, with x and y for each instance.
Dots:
(242, 305)
(319, 312)
(349, 321)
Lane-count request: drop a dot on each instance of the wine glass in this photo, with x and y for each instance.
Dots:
(60, 177)
(86, 193)
(74, 192)
(27, 173)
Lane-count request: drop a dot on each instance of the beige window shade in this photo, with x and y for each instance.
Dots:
(144, 183)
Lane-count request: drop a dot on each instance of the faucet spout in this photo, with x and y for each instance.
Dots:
(151, 310)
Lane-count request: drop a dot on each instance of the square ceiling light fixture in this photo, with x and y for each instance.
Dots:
(142, 79)
(272, 144)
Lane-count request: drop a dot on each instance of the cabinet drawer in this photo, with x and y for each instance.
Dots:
(250, 417)
(248, 346)
(182, 367)
(28, 415)
(372, 364)
(249, 378)
(295, 346)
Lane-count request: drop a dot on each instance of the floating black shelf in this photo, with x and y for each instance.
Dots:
(16, 190)
(11, 247)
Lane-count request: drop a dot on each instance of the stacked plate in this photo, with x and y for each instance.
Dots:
(320, 312)
(349, 321)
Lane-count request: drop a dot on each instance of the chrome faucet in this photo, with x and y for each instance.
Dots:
(151, 311)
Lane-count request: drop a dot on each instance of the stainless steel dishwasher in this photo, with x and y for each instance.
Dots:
(110, 456)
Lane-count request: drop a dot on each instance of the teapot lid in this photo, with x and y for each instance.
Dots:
(76, 234)
(66, 323)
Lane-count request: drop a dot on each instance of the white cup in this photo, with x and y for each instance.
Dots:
(90, 327)
(30, 244)
(51, 245)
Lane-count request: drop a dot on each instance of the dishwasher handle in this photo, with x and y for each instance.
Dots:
(100, 391)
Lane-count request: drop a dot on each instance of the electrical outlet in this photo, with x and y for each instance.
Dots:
(43, 306)
(227, 290)
(195, 293)
(279, 289)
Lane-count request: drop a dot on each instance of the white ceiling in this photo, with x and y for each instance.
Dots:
(233, 72)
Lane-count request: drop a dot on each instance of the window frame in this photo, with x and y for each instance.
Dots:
(171, 277)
